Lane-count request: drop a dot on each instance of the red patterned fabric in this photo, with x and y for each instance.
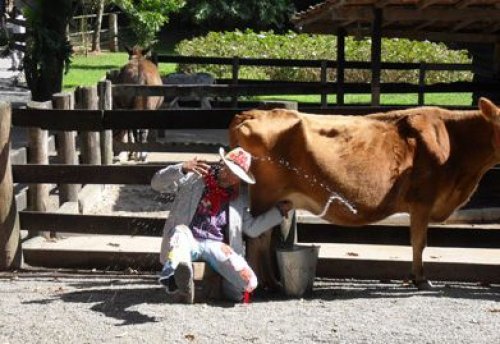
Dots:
(215, 195)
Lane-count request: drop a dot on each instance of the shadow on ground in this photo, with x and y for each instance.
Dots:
(115, 298)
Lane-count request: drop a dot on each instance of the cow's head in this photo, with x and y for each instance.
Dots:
(136, 52)
(492, 114)
(268, 136)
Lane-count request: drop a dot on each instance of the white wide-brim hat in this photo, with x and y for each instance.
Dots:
(240, 169)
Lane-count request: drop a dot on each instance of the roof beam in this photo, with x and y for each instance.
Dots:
(494, 28)
(462, 25)
(339, 3)
(405, 14)
(382, 3)
(424, 25)
(464, 3)
(426, 3)
(443, 36)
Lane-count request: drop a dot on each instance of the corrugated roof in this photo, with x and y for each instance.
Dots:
(442, 20)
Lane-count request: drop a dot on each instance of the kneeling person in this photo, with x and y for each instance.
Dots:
(209, 204)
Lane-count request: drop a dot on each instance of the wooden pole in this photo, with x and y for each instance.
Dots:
(113, 32)
(66, 148)
(324, 94)
(376, 55)
(235, 72)
(38, 153)
(86, 99)
(106, 103)
(340, 66)
(421, 84)
(10, 243)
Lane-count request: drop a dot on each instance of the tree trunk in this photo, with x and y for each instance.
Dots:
(96, 37)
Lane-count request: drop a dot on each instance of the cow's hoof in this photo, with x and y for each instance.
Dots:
(424, 285)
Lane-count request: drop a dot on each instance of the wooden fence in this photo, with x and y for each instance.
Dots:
(100, 120)
(323, 87)
(81, 29)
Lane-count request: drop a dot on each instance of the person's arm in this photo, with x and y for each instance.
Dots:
(255, 226)
(168, 179)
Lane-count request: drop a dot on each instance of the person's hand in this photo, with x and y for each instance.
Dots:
(199, 167)
(284, 207)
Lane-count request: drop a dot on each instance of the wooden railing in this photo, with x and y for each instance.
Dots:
(240, 87)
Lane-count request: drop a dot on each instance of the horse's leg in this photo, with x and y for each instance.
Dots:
(141, 137)
(130, 139)
(419, 221)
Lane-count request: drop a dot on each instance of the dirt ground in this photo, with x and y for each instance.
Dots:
(106, 308)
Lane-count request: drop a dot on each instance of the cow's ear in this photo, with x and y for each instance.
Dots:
(433, 134)
(145, 51)
(488, 109)
(128, 49)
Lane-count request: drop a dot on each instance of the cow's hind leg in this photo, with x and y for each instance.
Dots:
(419, 221)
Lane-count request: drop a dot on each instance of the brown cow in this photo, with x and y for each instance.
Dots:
(139, 71)
(355, 170)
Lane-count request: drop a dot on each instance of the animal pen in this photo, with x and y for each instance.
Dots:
(93, 117)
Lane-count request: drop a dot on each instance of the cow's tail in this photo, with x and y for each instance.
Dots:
(235, 135)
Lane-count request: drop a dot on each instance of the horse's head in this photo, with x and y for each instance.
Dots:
(137, 52)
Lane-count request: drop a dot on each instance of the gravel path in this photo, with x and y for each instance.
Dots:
(133, 309)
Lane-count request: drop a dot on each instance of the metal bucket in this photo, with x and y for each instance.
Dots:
(297, 266)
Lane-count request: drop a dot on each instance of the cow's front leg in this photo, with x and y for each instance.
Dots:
(419, 221)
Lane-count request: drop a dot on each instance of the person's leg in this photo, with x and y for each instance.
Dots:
(177, 272)
(238, 275)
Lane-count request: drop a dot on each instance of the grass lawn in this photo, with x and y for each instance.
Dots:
(88, 70)
(462, 99)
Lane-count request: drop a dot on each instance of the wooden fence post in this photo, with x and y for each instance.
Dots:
(421, 84)
(38, 153)
(66, 148)
(376, 55)
(86, 99)
(324, 93)
(106, 103)
(235, 77)
(113, 32)
(340, 66)
(10, 243)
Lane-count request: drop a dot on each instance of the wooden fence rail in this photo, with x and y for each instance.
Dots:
(99, 120)
(340, 87)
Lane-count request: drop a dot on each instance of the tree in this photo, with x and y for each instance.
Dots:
(96, 37)
(48, 50)
(237, 14)
(147, 17)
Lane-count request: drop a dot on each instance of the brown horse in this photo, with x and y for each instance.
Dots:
(139, 71)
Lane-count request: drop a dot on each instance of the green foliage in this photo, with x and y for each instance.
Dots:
(232, 14)
(303, 46)
(148, 16)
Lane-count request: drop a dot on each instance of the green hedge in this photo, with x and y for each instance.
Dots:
(304, 46)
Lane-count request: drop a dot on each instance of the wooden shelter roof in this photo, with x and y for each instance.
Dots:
(437, 20)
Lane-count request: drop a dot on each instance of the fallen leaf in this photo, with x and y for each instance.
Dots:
(189, 337)
(494, 310)
(352, 254)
